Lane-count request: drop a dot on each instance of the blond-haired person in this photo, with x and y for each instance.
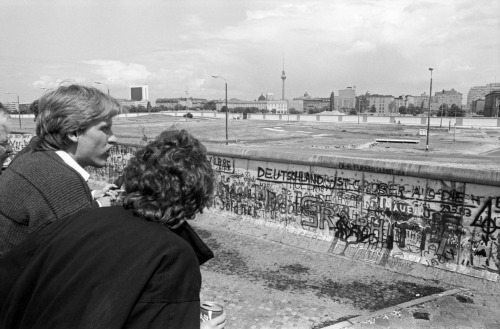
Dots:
(74, 129)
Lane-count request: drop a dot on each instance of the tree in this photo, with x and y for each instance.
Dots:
(443, 110)
(292, 110)
(392, 107)
(352, 112)
(179, 107)
(210, 106)
(415, 110)
(362, 103)
(313, 110)
(402, 110)
(223, 108)
(455, 110)
(411, 109)
(373, 109)
(419, 109)
(2, 108)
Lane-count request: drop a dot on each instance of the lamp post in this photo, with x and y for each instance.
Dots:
(18, 107)
(102, 83)
(442, 109)
(227, 109)
(429, 114)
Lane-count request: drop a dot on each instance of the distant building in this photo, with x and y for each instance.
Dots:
(398, 102)
(270, 96)
(11, 107)
(232, 104)
(477, 106)
(418, 101)
(478, 92)
(492, 104)
(381, 103)
(129, 103)
(169, 103)
(139, 93)
(313, 103)
(189, 102)
(297, 105)
(277, 106)
(448, 97)
(346, 99)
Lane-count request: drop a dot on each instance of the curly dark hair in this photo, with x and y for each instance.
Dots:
(169, 179)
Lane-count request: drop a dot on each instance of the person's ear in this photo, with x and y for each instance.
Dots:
(73, 136)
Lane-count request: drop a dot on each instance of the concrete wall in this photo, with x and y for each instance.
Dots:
(424, 220)
(375, 119)
(408, 120)
(390, 214)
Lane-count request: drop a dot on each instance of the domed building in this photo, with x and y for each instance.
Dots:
(262, 97)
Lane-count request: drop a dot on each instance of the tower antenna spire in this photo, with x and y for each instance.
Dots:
(283, 77)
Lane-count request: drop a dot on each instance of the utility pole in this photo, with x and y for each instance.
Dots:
(429, 114)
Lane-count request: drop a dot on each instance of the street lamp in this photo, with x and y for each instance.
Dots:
(102, 83)
(18, 107)
(227, 109)
(442, 109)
(429, 114)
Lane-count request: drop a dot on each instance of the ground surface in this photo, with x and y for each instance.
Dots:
(461, 147)
(264, 284)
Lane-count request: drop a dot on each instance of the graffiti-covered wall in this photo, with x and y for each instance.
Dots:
(17, 143)
(392, 215)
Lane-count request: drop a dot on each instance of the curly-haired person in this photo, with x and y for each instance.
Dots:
(123, 266)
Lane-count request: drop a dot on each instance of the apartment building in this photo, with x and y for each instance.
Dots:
(479, 92)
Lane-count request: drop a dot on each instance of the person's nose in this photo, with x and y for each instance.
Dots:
(112, 139)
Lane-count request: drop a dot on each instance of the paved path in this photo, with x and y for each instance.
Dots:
(264, 284)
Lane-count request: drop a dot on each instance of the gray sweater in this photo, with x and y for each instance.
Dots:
(36, 189)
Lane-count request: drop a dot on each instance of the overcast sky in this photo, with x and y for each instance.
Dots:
(380, 46)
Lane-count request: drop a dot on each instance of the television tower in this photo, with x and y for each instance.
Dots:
(283, 77)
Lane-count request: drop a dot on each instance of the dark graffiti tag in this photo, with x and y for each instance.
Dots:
(485, 220)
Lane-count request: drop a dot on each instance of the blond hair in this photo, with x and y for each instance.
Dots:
(70, 109)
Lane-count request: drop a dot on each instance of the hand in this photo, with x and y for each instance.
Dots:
(216, 323)
(109, 190)
(104, 201)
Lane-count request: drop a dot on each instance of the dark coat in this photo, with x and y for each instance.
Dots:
(101, 268)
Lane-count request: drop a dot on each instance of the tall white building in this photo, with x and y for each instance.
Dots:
(346, 99)
(139, 93)
(478, 92)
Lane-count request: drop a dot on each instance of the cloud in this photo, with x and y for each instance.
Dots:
(48, 82)
(118, 72)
